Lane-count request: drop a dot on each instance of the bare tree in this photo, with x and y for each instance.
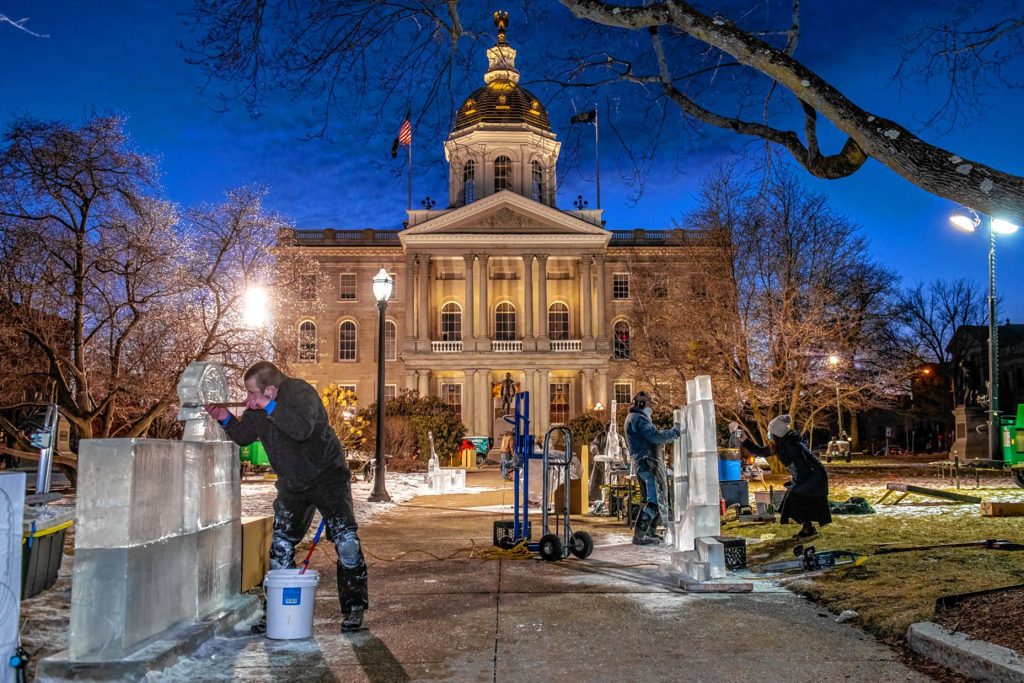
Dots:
(729, 68)
(791, 288)
(107, 290)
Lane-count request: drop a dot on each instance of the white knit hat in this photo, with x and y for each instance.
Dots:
(779, 427)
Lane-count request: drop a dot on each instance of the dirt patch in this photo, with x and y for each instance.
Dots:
(993, 617)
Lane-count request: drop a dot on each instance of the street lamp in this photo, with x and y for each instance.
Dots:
(833, 362)
(968, 219)
(382, 284)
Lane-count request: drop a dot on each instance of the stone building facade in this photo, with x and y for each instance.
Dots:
(501, 282)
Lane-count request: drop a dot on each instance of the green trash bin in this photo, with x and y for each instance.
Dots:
(257, 455)
(243, 454)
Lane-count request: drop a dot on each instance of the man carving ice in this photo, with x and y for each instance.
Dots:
(287, 415)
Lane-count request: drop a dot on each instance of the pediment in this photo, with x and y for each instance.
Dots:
(505, 214)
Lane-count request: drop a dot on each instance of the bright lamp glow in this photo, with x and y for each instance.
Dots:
(598, 406)
(256, 313)
(382, 284)
(964, 222)
(1003, 227)
(833, 360)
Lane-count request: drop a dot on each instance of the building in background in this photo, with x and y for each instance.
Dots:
(502, 281)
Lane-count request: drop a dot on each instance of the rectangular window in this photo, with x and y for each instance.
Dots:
(620, 285)
(307, 287)
(558, 409)
(347, 287)
(451, 396)
(350, 388)
(623, 393)
(390, 341)
(390, 392)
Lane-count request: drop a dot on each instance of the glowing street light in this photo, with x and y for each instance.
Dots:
(382, 285)
(969, 220)
(256, 313)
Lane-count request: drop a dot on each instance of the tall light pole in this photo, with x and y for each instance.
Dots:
(969, 220)
(382, 284)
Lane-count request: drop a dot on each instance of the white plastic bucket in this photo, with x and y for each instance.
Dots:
(290, 598)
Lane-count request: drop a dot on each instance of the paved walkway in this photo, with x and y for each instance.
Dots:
(614, 617)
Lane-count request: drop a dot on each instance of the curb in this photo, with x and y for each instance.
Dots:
(978, 659)
(156, 655)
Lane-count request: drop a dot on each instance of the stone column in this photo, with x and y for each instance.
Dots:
(479, 407)
(602, 388)
(542, 301)
(586, 305)
(544, 405)
(485, 304)
(411, 379)
(528, 338)
(424, 383)
(534, 383)
(409, 333)
(602, 299)
(468, 396)
(423, 323)
(468, 331)
(587, 388)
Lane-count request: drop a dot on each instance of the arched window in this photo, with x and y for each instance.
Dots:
(502, 174)
(451, 322)
(505, 322)
(469, 182)
(536, 181)
(390, 340)
(347, 340)
(621, 341)
(307, 342)
(558, 321)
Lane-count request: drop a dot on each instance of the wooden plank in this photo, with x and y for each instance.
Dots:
(990, 508)
(934, 493)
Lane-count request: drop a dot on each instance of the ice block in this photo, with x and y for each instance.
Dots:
(12, 506)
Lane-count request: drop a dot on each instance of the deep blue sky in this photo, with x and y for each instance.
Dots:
(123, 57)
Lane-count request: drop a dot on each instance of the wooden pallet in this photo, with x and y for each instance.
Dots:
(907, 489)
(991, 508)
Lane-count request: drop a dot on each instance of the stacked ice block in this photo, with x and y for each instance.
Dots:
(158, 538)
(12, 506)
(698, 556)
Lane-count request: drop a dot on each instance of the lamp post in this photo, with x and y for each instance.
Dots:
(382, 284)
(969, 220)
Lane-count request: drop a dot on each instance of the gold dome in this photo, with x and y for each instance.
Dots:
(501, 100)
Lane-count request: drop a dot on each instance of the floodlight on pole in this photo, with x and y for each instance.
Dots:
(256, 313)
(382, 285)
(968, 219)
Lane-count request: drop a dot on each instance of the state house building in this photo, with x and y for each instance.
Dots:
(502, 281)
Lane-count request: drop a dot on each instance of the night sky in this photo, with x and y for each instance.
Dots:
(123, 57)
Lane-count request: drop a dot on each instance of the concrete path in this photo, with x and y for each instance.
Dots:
(615, 617)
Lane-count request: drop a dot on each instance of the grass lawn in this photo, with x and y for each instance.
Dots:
(892, 591)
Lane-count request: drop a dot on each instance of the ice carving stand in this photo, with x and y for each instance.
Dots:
(698, 560)
(157, 566)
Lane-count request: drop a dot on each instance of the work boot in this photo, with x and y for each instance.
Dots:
(352, 621)
(260, 627)
(806, 531)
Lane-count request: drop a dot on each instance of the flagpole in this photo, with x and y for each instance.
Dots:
(597, 155)
(410, 174)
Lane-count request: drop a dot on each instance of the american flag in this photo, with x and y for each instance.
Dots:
(404, 135)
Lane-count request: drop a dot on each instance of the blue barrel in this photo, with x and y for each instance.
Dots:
(729, 470)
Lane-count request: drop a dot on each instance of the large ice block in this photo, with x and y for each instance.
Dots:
(219, 492)
(130, 491)
(704, 479)
(122, 596)
(12, 506)
(219, 569)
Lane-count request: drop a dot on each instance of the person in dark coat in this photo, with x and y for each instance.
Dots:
(288, 417)
(806, 498)
(643, 439)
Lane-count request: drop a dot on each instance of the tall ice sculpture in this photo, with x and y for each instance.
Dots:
(698, 560)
